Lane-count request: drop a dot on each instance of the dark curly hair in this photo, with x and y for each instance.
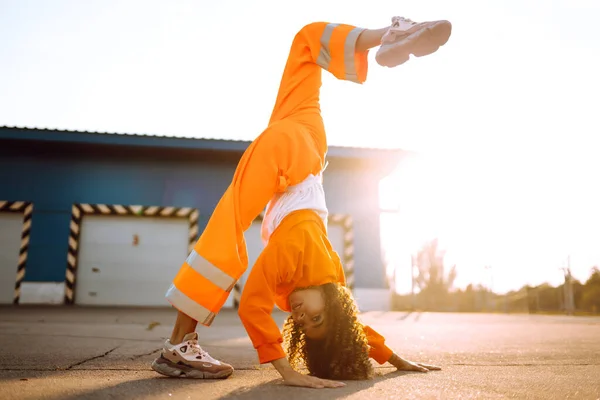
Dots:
(344, 352)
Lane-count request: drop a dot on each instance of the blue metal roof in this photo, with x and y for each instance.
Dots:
(137, 140)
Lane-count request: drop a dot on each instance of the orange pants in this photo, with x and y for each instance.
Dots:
(292, 147)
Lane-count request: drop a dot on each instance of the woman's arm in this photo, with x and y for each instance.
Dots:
(378, 350)
(257, 303)
(382, 354)
(256, 306)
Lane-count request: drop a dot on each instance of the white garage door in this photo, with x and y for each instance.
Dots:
(254, 246)
(114, 270)
(11, 225)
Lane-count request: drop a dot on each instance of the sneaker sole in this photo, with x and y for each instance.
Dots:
(421, 43)
(181, 371)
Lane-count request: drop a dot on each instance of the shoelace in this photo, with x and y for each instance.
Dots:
(196, 349)
(396, 21)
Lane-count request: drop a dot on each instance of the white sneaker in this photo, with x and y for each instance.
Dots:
(188, 360)
(406, 37)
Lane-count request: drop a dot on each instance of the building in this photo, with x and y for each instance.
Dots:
(107, 219)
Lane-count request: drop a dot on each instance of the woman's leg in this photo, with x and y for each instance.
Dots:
(291, 148)
(183, 325)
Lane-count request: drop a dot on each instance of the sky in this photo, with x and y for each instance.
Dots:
(504, 116)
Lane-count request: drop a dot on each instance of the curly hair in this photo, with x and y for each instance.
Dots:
(344, 352)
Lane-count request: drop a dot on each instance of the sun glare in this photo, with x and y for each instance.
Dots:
(424, 199)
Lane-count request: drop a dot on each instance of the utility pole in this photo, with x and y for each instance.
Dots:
(571, 300)
(568, 288)
(412, 281)
(491, 288)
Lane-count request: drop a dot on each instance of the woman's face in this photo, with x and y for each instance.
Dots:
(308, 312)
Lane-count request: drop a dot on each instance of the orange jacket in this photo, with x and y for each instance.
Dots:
(298, 254)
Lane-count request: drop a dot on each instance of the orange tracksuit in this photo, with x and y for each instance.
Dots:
(292, 147)
(298, 255)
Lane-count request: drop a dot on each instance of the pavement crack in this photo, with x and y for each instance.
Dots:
(135, 357)
(271, 369)
(91, 358)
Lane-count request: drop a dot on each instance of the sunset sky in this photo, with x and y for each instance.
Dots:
(505, 115)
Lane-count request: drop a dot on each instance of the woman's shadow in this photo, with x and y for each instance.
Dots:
(273, 389)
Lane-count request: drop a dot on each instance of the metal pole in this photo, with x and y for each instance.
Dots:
(412, 282)
(491, 288)
(569, 284)
(569, 301)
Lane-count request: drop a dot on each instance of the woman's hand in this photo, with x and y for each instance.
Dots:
(294, 378)
(298, 379)
(405, 365)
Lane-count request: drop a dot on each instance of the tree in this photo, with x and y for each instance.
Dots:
(594, 279)
(432, 281)
(467, 300)
(590, 298)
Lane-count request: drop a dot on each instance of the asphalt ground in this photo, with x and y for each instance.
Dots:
(100, 353)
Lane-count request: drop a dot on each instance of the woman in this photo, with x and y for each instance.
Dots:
(301, 273)
(290, 152)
